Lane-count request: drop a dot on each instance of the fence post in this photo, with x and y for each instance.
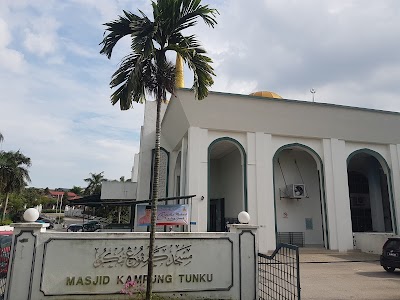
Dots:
(248, 250)
(22, 259)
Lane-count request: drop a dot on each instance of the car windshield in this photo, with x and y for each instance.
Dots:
(393, 244)
(5, 240)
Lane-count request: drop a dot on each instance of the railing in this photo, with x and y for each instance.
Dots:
(279, 274)
(292, 238)
(4, 260)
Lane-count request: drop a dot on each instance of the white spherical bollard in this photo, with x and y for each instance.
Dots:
(31, 215)
(244, 217)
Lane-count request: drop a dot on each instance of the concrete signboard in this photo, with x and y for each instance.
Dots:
(75, 266)
(104, 266)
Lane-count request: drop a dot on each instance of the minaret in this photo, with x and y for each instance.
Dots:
(179, 78)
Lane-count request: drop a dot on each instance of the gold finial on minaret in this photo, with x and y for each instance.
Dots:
(179, 78)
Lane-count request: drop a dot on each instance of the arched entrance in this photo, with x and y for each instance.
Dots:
(227, 191)
(369, 192)
(300, 209)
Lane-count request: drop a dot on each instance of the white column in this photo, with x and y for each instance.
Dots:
(337, 193)
(265, 192)
(395, 158)
(184, 146)
(330, 194)
(197, 176)
(22, 258)
(251, 177)
(247, 257)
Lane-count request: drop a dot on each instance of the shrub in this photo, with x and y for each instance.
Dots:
(6, 222)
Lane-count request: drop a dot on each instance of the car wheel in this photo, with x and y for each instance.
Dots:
(389, 269)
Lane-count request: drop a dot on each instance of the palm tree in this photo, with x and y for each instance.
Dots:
(94, 186)
(14, 174)
(147, 70)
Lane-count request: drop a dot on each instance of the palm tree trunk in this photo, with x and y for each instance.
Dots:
(154, 199)
(5, 207)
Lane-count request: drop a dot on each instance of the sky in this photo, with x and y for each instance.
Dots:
(54, 100)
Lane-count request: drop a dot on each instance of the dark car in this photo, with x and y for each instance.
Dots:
(46, 220)
(75, 228)
(91, 226)
(390, 258)
(5, 247)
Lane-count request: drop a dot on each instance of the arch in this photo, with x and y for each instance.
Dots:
(320, 167)
(379, 157)
(244, 170)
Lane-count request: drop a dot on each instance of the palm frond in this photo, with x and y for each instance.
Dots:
(117, 29)
(128, 79)
(199, 63)
(191, 10)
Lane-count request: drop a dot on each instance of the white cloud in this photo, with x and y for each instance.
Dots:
(41, 36)
(10, 59)
(58, 108)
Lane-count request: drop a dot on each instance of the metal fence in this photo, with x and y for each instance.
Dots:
(292, 238)
(4, 260)
(279, 274)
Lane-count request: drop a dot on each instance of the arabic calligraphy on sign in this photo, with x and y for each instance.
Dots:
(137, 256)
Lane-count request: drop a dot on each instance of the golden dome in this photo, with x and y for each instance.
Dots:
(266, 94)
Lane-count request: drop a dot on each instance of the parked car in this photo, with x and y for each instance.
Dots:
(390, 258)
(91, 225)
(5, 248)
(46, 220)
(75, 227)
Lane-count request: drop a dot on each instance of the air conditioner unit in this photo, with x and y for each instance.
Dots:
(296, 191)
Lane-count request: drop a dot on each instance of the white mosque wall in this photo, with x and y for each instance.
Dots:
(260, 149)
(196, 176)
(291, 214)
(337, 195)
(135, 168)
(147, 141)
(383, 150)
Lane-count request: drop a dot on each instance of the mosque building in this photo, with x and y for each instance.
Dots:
(315, 174)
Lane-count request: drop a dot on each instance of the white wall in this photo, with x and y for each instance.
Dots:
(291, 213)
(118, 190)
(369, 242)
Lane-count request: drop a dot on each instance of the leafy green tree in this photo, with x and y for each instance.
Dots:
(16, 206)
(77, 190)
(94, 183)
(146, 70)
(14, 174)
(32, 196)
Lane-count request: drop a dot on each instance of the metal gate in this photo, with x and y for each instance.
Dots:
(279, 274)
(4, 259)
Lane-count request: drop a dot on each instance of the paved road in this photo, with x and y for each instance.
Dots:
(337, 276)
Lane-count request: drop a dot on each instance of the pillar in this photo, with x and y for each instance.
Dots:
(22, 258)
